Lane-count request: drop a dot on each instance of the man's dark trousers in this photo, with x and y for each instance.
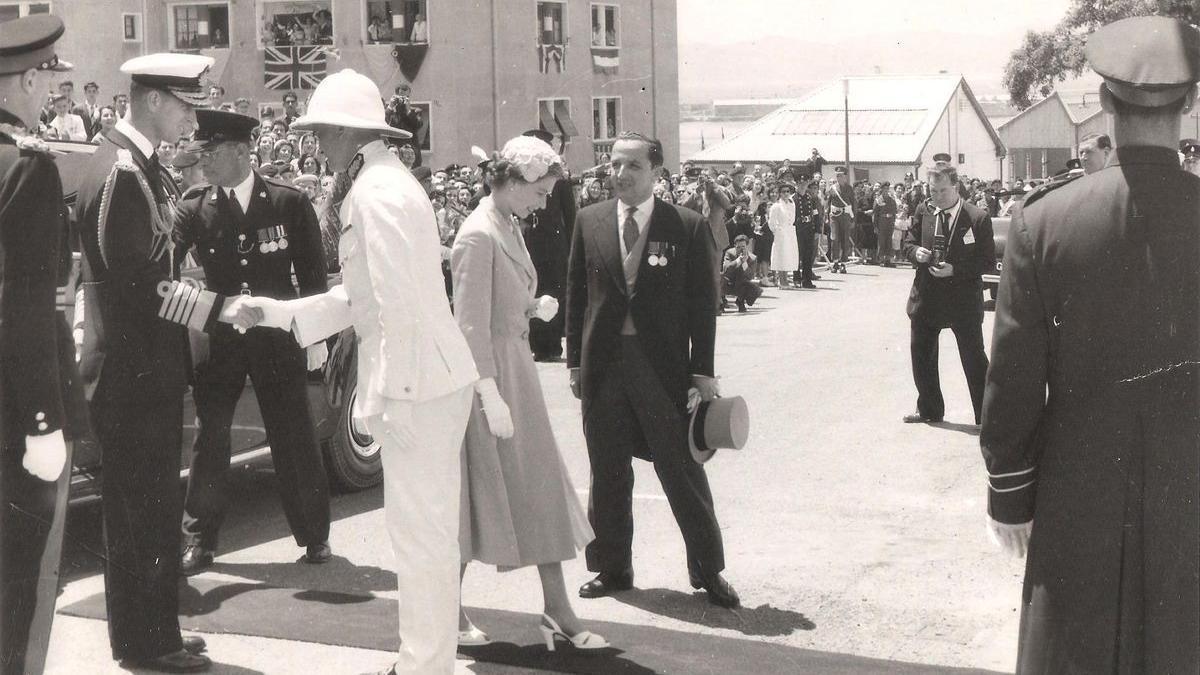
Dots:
(808, 253)
(968, 333)
(277, 368)
(631, 416)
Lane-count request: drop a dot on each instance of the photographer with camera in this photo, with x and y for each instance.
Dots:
(399, 113)
(950, 245)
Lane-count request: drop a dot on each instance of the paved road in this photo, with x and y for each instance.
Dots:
(846, 530)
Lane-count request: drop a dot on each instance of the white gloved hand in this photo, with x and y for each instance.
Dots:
(77, 336)
(46, 455)
(317, 355)
(499, 418)
(276, 313)
(1012, 539)
(544, 308)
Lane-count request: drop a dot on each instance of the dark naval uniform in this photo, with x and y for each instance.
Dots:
(255, 253)
(1091, 421)
(39, 395)
(135, 370)
(808, 219)
(548, 239)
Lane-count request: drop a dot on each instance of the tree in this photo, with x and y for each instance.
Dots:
(1052, 56)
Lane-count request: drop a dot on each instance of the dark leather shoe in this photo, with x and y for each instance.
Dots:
(194, 644)
(181, 661)
(808, 284)
(317, 554)
(719, 591)
(918, 418)
(607, 583)
(195, 560)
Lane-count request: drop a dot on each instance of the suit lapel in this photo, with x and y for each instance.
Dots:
(505, 235)
(259, 210)
(608, 245)
(656, 231)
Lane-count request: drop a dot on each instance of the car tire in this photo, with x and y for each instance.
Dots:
(352, 455)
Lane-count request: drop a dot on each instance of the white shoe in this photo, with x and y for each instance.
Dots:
(583, 640)
(472, 637)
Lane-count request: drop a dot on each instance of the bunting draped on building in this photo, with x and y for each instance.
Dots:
(294, 67)
(552, 54)
(605, 59)
(409, 58)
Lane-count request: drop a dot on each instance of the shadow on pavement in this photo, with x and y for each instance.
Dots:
(764, 620)
(968, 429)
(339, 574)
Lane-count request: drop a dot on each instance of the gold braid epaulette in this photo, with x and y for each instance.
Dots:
(126, 164)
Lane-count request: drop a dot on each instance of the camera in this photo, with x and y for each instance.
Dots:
(939, 249)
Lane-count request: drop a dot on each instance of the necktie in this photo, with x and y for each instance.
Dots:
(236, 206)
(942, 218)
(629, 231)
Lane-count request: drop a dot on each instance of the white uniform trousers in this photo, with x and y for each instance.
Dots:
(421, 486)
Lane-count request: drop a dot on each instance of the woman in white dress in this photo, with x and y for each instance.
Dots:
(785, 253)
(518, 505)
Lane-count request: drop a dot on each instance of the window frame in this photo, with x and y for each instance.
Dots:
(366, 15)
(260, 5)
(620, 118)
(23, 6)
(617, 32)
(552, 100)
(172, 34)
(137, 27)
(564, 23)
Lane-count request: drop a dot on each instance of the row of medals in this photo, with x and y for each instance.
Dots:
(658, 254)
(270, 240)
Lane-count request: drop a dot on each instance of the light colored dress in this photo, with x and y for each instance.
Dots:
(518, 505)
(785, 252)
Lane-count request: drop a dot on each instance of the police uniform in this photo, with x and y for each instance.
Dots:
(253, 252)
(808, 218)
(1091, 421)
(37, 364)
(135, 363)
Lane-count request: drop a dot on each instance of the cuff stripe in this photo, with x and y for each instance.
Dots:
(1013, 473)
(1012, 489)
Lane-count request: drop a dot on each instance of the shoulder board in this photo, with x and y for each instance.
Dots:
(125, 161)
(196, 191)
(1046, 188)
(275, 182)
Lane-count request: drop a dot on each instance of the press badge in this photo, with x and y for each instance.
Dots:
(969, 237)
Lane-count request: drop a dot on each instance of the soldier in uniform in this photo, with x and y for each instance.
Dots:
(841, 215)
(950, 245)
(808, 219)
(249, 233)
(135, 357)
(548, 239)
(37, 362)
(1091, 421)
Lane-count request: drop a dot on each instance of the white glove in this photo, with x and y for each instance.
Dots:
(1012, 539)
(46, 455)
(77, 336)
(544, 308)
(276, 313)
(317, 355)
(499, 418)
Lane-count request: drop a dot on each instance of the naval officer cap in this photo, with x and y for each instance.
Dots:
(214, 127)
(182, 75)
(1147, 61)
(29, 43)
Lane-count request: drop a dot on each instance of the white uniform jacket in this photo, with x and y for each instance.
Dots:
(410, 349)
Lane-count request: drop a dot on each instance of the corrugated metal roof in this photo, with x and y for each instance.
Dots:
(891, 119)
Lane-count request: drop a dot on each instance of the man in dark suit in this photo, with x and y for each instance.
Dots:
(641, 329)
(89, 110)
(548, 238)
(135, 360)
(249, 234)
(40, 401)
(950, 247)
(1091, 418)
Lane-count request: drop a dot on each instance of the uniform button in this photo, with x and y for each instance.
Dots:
(40, 416)
(245, 285)
(243, 262)
(212, 250)
(407, 389)
(42, 426)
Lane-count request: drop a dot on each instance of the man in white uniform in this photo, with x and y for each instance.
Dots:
(416, 375)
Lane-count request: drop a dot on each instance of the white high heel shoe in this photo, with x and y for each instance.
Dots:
(472, 637)
(581, 640)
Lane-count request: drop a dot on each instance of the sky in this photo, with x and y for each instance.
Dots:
(732, 21)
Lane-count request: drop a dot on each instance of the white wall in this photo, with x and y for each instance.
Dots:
(962, 130)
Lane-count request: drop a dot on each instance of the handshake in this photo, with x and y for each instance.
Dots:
(244, 312)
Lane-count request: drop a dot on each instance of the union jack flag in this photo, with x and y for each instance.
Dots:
(294, 67)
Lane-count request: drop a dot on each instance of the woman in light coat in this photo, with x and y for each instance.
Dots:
(519, 507)
(785, 253)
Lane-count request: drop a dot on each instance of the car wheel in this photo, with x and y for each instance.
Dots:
(352, 453)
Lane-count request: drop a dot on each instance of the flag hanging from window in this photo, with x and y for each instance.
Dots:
(551, 54)
(294, 67)
(605, 59)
